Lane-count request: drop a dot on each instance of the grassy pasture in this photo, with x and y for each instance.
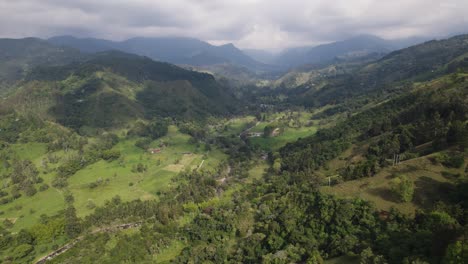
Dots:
(432, 183)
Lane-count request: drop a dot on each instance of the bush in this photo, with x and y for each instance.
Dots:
(43, 187)
(453, 160)
(7, 223)
(30, 190)
(110, 154)
(143, 143)
(93, 185)
(60, 182)
(22, 251)
(3, 194)
(6, 200)
(90, 204)
(403, 187)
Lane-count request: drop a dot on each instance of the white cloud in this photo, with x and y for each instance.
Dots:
(247, 23)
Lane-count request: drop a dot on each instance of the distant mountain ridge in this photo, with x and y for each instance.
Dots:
(352, 48)
(177, 50)
(392, 72)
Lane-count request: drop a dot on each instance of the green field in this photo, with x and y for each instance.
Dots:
(112, 178)
(288, 135)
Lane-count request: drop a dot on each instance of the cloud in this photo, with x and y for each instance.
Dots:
(247, 23)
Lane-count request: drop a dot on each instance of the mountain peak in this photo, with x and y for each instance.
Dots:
(177, 50)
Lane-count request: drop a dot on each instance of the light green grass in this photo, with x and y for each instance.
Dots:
(48, 202)
(25, 211)
(31, 151)
(427, 178)
(171, 252)
(257, 171)
(237, 125)
(116, 179)
(289, 135)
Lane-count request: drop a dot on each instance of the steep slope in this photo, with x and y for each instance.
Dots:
(19, 56)
(174, 50)
(393, 72)
(113, 88)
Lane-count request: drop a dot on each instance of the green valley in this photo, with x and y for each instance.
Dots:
(111, 157)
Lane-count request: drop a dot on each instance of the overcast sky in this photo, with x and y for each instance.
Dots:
(265, 24)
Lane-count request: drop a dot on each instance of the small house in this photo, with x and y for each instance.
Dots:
(154, 151)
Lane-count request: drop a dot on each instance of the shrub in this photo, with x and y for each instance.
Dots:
(143, 143)
(110, 154)
(453, 160)
(30, 190)
(22, 251)
(90, 204)
(43, 187)
(403, 187)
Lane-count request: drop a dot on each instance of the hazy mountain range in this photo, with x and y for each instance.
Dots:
(187, 51)
(190, 51)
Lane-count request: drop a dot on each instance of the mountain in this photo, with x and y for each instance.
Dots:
(391, 73)
(19, 56)
(112, 88)
(174, 50)
(349, 48)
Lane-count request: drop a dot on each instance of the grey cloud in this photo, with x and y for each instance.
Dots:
(247, 23)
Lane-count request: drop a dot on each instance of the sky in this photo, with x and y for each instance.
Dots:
(256, 24)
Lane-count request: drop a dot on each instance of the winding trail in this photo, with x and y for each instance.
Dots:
(69, 245)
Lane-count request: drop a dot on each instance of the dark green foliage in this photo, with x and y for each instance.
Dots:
(89, 106)
(143, 143)
(195, 129)
(458, 134)
(311, 153)
(268, 130)
(72, 223)
(360, 170)
(111, 154)
(183, 99)
(452, 159)
(43, 187)
(155, 129)
(21, 251)
(11, 127)
(139, 168)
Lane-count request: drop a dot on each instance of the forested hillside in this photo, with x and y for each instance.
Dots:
(112, 88)
(19, 56)
(393, 73)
